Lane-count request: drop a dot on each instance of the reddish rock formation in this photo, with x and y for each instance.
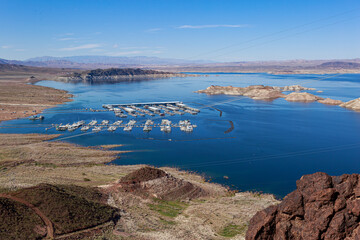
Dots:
(322, 207)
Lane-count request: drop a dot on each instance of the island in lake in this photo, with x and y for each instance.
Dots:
(261, 92)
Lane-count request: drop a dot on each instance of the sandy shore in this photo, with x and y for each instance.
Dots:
(18, 99)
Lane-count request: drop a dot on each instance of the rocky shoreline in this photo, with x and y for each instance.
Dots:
(261, 92)
(113, 75)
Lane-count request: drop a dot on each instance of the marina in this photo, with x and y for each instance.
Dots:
(165, 126)
(151, 109)
(145, 109)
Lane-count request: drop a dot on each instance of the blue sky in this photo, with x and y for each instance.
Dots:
(219, 30)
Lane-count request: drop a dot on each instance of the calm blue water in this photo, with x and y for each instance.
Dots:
(273, 143)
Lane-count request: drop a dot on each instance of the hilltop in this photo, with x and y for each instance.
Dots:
(115, 75)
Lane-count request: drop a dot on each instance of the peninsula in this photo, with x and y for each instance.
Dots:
(113, 75)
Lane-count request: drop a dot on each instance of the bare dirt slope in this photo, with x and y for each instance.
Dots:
(168, 204)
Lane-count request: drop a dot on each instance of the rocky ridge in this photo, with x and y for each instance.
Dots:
(116, 75)
(302, 97)
(322, 207)
(330, 101)
(353, 104)
(253, 91)
(261, 92)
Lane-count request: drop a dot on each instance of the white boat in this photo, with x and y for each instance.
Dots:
(149, 122)
(118, 122)
(61, 127)
(167, 128)
(36, 117)
(105, 122)
(85, 128)
(165, 122)
(128, 128)
(112, 128)
(96, 129)
(72, 128)
(93, 122)
(131, 122)
(189, 128)
(147, 128)
(80, 123)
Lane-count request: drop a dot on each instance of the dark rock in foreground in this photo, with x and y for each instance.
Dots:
(322, 207)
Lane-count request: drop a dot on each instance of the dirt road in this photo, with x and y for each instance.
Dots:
(46, 220)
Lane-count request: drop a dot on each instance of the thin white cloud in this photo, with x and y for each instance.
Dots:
(66, 39)
(96, 50)
(20, 50)
(115, 45)
(213, 26)
(135, 52)
(6, 47)
(151, 30)
(81, 47)
(129, 48)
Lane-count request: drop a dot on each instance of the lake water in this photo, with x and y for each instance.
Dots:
(272, 145)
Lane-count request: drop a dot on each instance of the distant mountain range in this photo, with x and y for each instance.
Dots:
(91, 62)
(181, 65)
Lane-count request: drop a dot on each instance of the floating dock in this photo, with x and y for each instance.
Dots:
(139, 104)
(150, 108)
(165, 126)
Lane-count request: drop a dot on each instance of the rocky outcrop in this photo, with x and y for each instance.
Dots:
(302, 97)
(330, 101)
(254, 92)
(261, 92)
(114, 75)
(322, 207)
(296, 88)
(353, 104)
(218, 90)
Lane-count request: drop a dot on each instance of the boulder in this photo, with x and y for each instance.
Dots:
(296, 88)
(264, 94)
(353, 104)
(330, 101)
(322, 207)
(253, 91)
(302, 97)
